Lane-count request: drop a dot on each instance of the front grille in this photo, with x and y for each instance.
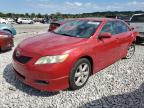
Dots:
(22, 59)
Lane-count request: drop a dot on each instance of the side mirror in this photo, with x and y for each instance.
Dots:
(105, 35)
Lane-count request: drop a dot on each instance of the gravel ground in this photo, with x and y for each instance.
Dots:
(118, 86)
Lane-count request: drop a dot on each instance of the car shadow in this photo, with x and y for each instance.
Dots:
(10, 77)
(133, 99)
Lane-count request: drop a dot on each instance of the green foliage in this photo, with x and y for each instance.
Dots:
(59, 15)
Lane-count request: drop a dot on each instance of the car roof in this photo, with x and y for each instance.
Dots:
(89, 19)
(98, 19)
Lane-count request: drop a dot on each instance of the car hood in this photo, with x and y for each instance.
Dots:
(6, 26)
(50, 43)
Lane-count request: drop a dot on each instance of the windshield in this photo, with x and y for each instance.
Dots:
(78, 28)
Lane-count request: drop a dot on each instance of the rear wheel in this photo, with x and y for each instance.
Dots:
(20, 22)
(80, 74)
(3, 49)
(131, 51)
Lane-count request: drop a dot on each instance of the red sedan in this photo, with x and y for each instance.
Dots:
(6, 41)
(68, 56)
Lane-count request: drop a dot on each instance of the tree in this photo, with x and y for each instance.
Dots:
(32, 15)
(39, 15)
(27, 15)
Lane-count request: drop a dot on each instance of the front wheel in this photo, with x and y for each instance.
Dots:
(131, 51)
(80, 74)
(31, 22)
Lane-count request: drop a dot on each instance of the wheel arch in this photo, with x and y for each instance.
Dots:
(8, 30)
(90, 60)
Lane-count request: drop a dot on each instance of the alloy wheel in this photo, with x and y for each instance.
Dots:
(130, 51)
(81, 74)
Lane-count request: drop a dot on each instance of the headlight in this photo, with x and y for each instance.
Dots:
(4, 36)
(51, 59)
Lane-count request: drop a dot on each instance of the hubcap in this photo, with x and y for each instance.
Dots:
(82, 73)
(130, 52)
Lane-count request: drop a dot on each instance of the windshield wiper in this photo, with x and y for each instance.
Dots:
(66, 34)
(62, 34)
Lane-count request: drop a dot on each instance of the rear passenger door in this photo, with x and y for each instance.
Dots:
(123, 35)
(107, 49)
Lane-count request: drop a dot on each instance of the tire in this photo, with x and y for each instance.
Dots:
(130, 52)
(2, 49)
(79, 78)
(20, 22)
(31, 22)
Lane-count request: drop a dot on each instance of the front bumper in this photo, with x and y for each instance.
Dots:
(52, 77)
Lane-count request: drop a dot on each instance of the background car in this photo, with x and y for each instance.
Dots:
(137, 21)
(3, 21)
(8, 28)
(10, 21)
(6, 41)
(121, 17)
(45, 21)
(24, 21)
(54, 25)
(68, 56)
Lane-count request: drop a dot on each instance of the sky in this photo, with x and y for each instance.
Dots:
(69, 6)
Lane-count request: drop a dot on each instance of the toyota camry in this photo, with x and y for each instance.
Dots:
(69, 55)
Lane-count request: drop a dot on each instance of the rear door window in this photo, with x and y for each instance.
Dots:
(120, 27)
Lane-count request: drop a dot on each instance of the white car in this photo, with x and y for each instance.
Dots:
(24, 21)
(10, 21)
(137, 21)
(3, 21)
